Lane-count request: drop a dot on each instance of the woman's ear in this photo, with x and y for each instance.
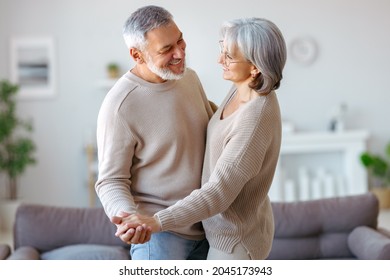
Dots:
(254, 72)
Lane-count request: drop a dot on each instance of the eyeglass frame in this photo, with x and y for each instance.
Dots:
(226, 60)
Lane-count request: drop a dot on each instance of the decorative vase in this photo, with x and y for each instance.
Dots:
(383, 195)
(113, 73)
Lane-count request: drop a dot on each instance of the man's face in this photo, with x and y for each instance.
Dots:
(165, 52)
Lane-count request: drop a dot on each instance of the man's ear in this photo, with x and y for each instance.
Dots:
(137, 55)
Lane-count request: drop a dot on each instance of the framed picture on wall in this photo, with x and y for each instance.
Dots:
(33, 67)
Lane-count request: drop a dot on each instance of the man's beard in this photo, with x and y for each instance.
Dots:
(164, 73)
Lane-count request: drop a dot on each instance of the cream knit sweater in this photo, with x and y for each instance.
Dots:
(241, 155)
(151, 140)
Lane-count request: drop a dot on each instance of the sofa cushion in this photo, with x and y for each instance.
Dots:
(62, 226)
(324, 246)
(87, 252)
(314, 217)
(367, 244)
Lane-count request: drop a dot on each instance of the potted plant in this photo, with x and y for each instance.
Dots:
(113, 70)
(16, 149)
(379, 171)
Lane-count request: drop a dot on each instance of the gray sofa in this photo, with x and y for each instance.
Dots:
(5, 251)
(335, 228)
(49, 232)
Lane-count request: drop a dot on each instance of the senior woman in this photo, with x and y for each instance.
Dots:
(243, 144)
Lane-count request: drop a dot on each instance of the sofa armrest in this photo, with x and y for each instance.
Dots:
(5, 251)
(369, 244)
(25, 253)
(384, 231)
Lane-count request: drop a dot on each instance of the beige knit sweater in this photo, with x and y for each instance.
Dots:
(241, 156)
(151, 140)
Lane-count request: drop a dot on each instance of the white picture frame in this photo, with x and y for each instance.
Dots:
(33, 67)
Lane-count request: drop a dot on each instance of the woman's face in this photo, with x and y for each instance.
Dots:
(236, 67)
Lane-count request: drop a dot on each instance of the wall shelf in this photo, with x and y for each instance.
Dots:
(320, 164)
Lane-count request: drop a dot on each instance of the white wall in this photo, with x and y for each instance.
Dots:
(352, 67)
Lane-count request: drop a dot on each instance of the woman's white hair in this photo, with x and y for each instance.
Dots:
(262, 43)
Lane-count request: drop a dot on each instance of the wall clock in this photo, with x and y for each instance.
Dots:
(303, 50)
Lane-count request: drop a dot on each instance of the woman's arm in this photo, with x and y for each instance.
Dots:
(240, 161)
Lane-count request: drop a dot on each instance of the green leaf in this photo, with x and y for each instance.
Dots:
(388, 150)
(378, 166)
(366, 159)
(16, 152)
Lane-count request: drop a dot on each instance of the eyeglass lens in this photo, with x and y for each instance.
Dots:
(226, 59)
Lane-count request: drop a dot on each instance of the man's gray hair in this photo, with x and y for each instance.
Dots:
(141, 21)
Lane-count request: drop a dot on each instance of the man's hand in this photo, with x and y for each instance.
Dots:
(131, 233)
(132, 221)
(135, 228)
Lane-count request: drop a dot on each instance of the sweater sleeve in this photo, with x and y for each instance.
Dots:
(115, 148)
(210, 107)
(241, 160)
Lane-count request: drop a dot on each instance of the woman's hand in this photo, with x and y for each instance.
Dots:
(135, 228)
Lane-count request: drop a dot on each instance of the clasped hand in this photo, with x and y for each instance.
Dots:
(135, 228)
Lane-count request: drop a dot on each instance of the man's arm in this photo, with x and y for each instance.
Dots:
(115, 145)
(213, 106)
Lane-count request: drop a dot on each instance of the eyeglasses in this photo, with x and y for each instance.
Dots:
(227, 59)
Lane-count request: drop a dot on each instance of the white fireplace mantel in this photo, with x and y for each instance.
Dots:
(337, 154)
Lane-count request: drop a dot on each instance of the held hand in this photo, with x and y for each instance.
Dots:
(135, 220)
(131, 233)
(138, 235)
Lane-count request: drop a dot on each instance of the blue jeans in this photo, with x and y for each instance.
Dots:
(169, 246)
